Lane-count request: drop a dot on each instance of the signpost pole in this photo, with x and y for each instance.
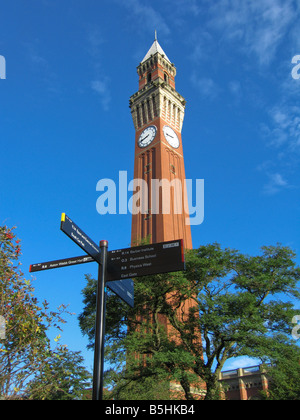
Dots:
(100, 325)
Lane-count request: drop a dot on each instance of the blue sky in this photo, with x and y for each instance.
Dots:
(65, 122)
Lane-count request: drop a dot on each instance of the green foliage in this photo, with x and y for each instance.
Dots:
(284, 374)
(240, 308)
(62, 378)
(25, 350)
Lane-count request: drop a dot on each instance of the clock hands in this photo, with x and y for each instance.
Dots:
(144, 138)
(171, 136)
(147, 136)
(150, 132)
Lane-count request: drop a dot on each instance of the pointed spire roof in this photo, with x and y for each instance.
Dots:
(155, 48)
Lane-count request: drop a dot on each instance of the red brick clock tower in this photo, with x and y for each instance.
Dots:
(161, 212)
(158, 112)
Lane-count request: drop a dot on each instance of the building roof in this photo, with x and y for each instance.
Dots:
(155, 48)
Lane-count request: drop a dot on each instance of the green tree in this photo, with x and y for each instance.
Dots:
(241, 308)
(284, 375)
(63, 377)
(25, 350)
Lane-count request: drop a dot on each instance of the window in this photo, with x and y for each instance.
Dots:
(139, 122)
(144, 114)
(149, 77)
(147, 168)
(148, 215)
(149, 110)
(154, 106)
(166, 78)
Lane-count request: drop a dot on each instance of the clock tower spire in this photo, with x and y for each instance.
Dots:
(158, 111)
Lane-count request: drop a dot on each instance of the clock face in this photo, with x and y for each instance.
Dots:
(147, 136)
(171, 136)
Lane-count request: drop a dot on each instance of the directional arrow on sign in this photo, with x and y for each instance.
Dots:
(67, 262)
(79, 237)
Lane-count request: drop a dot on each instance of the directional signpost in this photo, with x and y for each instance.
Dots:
(124, 289)
(79, 237)
(116, 269)
(60, 263)
(146, 260)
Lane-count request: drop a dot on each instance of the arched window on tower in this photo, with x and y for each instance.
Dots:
(166, 78)
(139, 122)
(149, 77)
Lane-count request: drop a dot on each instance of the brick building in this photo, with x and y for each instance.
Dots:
(244, 383)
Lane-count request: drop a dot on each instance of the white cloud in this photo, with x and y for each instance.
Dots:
(95, 41)
(147, 16)
(235, 89)
(258, 26)
(240, 362)
(275, 184)
(201, 41)
(179, 8)
(101, 87)
(100, 82)
(42, 66)
(205, 86)
(282, 134)
(284, 128)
